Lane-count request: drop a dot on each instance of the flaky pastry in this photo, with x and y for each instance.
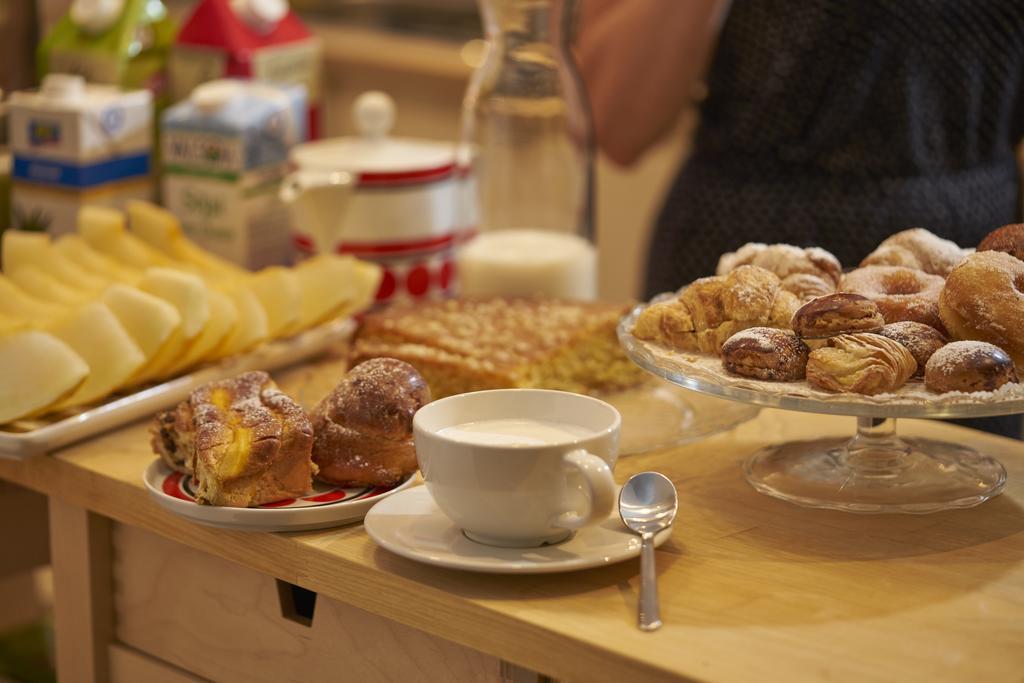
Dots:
(863, 363)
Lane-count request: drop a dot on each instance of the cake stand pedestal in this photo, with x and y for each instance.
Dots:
(876, 471)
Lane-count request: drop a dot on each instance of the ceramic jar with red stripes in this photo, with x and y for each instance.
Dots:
(403, 203)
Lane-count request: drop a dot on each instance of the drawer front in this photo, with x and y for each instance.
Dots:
(224, 622)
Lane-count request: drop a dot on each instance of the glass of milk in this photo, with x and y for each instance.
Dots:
(529, 262)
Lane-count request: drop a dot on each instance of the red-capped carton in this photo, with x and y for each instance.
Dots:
(258, 39)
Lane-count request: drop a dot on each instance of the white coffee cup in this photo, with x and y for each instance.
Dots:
(520, 494)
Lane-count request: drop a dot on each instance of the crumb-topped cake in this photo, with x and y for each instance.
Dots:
(468, 345)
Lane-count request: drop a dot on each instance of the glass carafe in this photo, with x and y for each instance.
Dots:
(526, 127)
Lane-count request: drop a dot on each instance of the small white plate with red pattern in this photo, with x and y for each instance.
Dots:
(326, 506)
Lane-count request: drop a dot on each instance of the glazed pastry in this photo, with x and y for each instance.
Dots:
(842, 313)
(862, 363)
(244, 442)
(1008, 239)
(900, 293)
(920, 339)
(969, 366)
(806, 286)
(363, 429)
(766, 353)
(984, 300)
(919, 249)
(784, 260)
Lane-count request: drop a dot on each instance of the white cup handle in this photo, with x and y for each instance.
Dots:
(601, 484)
(318, 219)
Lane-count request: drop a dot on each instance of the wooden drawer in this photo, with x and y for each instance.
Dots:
(227, 623)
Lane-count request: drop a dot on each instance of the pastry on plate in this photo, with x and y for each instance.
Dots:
(243, 441)
(920, 339)
(835, 314)
(862, 363)
(1008, 239)
(983, 300)
(969, 366)
(919, 249)
(363, 429)
(766, 353)
(712, 309)
(900, 293)
(784, 260)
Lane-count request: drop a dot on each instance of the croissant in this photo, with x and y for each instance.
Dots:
(712, 309)
(863, 363)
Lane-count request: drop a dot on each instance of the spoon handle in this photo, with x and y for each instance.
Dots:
(650, 613)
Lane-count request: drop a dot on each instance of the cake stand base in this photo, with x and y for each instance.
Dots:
(876, 472)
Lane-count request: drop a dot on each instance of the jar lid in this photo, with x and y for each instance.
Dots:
(95, 16)
(374, 155)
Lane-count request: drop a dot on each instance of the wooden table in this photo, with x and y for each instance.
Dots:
(752, 588)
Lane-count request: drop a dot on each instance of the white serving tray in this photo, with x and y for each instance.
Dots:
(32, 437)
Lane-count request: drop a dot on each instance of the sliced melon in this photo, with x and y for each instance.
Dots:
(223, 318)
(251, 328)
(149, 319)
(334, 286)
(76, 249)
(103, 228)
(279, 291)
(34, 249)
(189, 294)
(95, 334)
(17, 303)
(43, 286)
(38, 370)
(161, 229)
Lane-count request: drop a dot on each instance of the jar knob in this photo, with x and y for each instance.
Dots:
(374, 114)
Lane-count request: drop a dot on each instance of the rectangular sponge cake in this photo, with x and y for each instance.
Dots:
(470, 345)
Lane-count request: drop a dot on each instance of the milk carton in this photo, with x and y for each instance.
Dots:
(258, 39)
(118, 42)
(75, 143)
(225, 151)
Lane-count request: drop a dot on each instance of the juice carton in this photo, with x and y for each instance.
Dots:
(75, 143)
(258, 39)
(119, 42)
(225, 152)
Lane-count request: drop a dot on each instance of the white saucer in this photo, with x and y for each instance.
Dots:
(326, 506)
(411, 525)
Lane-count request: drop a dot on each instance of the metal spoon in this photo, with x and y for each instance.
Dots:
(647, 504)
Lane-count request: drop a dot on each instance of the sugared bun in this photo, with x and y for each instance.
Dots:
(969, 366)
(766, 353)
(836, 314)
(363, 429)
(1008, 239)
(983, 300)
(919, 249)
(783, 260)
(806, 286)
(921, 340)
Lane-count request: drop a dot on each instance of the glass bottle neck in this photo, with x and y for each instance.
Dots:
(527, 21)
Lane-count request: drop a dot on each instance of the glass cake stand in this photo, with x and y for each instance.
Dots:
(876, 471)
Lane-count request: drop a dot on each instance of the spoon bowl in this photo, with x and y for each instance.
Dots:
(647, 505)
